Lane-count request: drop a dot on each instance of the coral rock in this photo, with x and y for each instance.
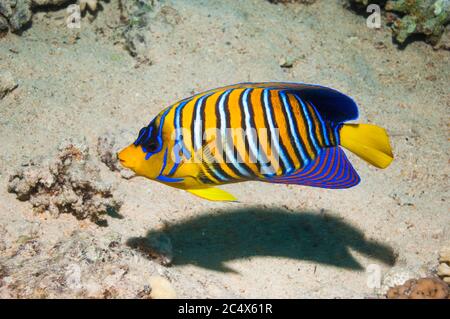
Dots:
(147, 21)
(91, 5)
(292, 1)
(444, 255)
(17, 14)
(77, 265)
(69, 184)
(424, 288)
(397, 276)
(409, 17)
(443, 270)
(5, 8)
(427, 17)
(4, 25)
(20, 16)
(41, 3)
(444, 42)
(107, 149)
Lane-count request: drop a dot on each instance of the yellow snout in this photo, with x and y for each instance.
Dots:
(131, 157)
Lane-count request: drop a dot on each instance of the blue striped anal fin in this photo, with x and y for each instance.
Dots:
(331, 169)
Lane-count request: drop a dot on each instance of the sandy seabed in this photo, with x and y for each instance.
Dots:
(278, 241)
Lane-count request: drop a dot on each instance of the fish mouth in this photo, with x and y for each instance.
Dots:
(121, 156)
(123, 162)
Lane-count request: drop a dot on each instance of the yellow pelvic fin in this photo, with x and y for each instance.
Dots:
(370, 142)
(212, 193)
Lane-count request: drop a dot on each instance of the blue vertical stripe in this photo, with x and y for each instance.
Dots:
(276, 144)
(179, 129)
(322, 125)
(223, 129)
(198, 129)
(310, 125)
(294, 133)
(249, 131)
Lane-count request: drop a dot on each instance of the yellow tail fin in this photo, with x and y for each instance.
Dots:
(370, 142)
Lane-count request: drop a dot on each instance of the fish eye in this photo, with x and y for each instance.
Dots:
(148, 139)
(152, 147)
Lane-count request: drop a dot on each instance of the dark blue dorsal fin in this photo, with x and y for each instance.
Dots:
(331, 169)
(333, 106)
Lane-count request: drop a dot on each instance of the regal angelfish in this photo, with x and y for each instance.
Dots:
(288, 133)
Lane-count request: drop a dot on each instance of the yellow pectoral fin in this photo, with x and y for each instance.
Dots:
(212, 193)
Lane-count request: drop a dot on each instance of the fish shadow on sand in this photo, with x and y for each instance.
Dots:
(212, 239)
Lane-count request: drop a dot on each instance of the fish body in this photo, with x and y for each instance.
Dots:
(274, 132)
